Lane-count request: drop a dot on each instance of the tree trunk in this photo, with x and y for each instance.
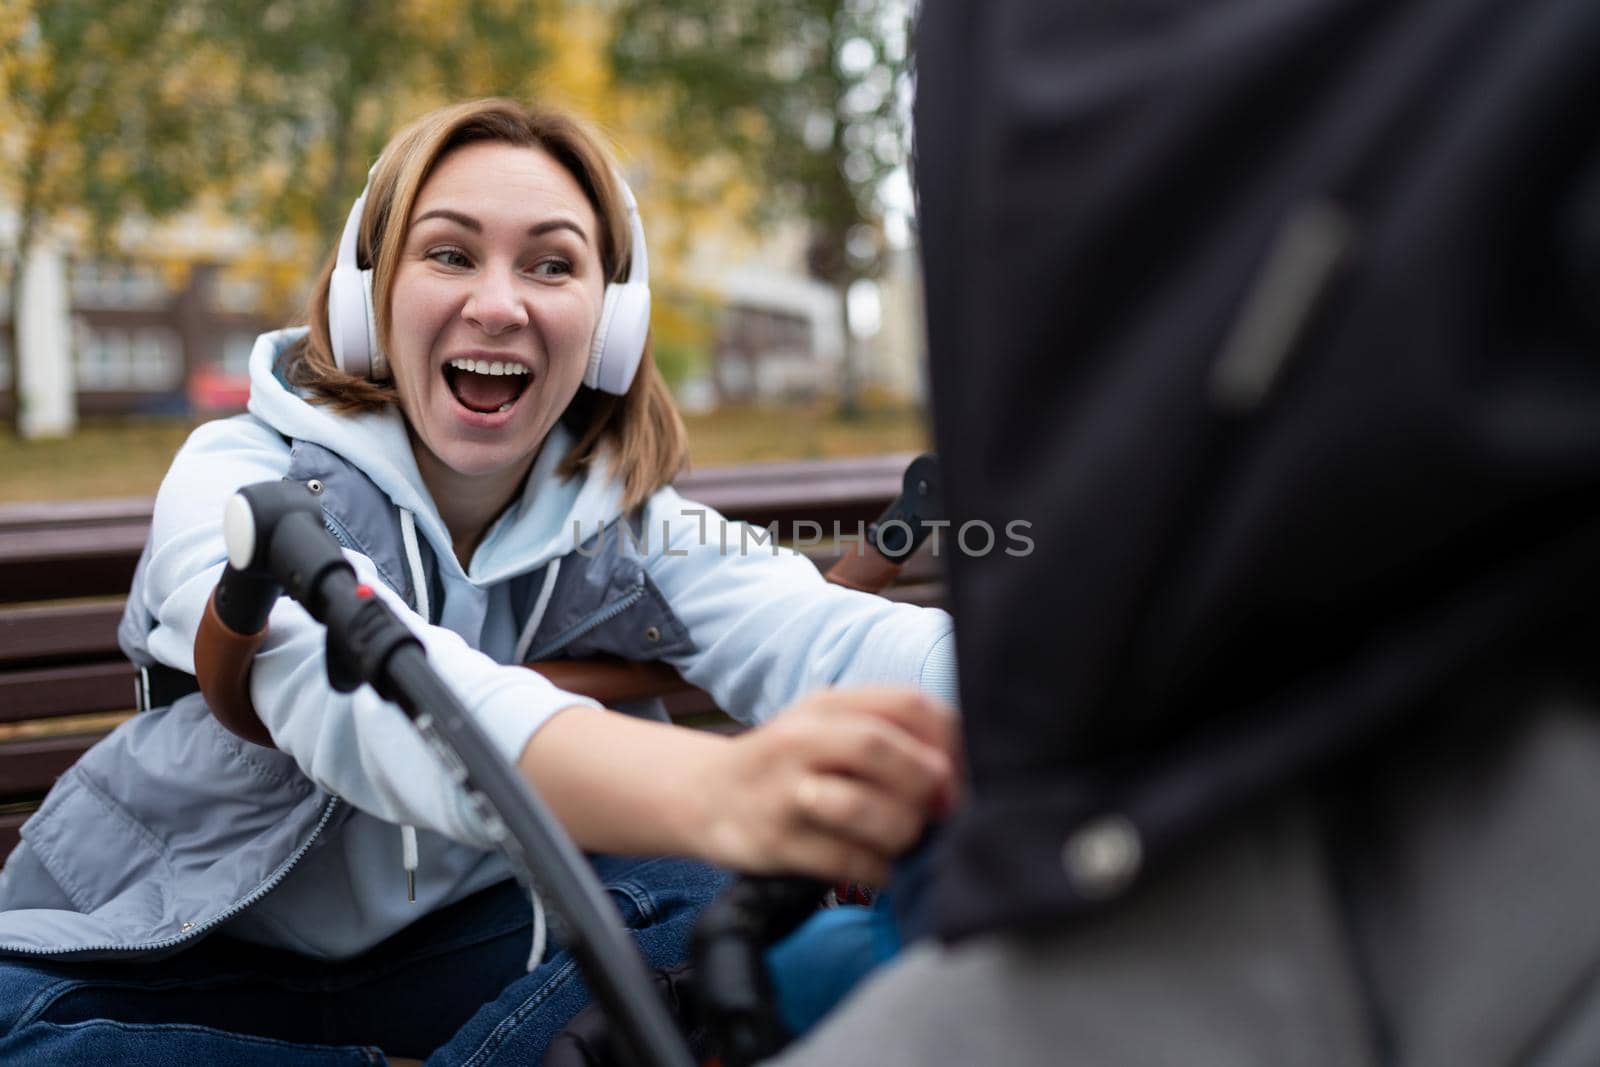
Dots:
(850, 368)
(332, 206)
(27, 227)
(14, 340)
(46, 400)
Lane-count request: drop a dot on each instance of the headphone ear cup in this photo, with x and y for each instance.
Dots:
(597, 344)
(378, 370)
(352, 330)
(619, 338)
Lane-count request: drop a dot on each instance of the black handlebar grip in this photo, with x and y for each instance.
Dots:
(903, 526)
(277, 541)
(244, 600)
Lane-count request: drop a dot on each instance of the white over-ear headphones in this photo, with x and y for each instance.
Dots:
(614, 354)
(352, 327)
(624, 326)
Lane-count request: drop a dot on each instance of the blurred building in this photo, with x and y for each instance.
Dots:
(168, 335)
(781, 334)
(172, 333)
(140, 345)
(897, 355)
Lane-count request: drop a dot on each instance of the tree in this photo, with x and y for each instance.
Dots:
(117, 109)
(331, 79)
(807, 95)
(103, 117)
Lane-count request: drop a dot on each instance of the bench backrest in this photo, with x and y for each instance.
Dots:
(65, 569)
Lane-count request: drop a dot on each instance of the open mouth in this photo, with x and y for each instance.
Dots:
(486, 386)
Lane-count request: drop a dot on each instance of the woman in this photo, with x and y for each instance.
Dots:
(475, 405)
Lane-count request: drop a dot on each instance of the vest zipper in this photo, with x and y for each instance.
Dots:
(590, 622)
(199, 929)
(338, 531)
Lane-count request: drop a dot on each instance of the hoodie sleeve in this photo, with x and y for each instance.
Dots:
(356, 746)
(768, 628)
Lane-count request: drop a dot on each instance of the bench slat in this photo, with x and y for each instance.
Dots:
(46, 692)
(68, 562)
(55, 514)
(9, 835)
(88, 548)
(52, 691)
(76, 631)
(33, 766)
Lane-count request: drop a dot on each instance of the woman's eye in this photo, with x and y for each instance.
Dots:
(552, 268)
(450, 257)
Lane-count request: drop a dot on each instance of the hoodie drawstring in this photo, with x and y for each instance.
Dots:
(419, 583)
(408, 834)
(539, 931)
(536, 616)
(419, 577)
(408, 859)
(540, 605)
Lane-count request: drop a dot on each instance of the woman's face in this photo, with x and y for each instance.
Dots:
(494, 304)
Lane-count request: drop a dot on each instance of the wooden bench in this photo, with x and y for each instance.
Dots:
(65, 569)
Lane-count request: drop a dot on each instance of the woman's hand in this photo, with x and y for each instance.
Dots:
(836, 786)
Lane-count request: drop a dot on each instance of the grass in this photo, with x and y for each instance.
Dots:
(127, 457)
(755, 434)
(104, 458)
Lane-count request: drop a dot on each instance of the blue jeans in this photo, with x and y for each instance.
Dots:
(451, 987)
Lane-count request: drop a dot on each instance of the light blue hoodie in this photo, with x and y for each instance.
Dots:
(298, 847)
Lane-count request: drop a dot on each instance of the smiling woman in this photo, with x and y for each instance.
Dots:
(501, 271)
(474, 384)
(517, 240)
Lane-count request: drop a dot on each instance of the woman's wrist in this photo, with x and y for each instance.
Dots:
(621, 784)
(696, 793)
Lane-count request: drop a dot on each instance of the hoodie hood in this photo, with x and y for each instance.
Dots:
(544, 522)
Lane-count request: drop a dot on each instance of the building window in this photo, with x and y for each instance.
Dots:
(236, 349)
(137, 359)
(239, 295)
(756, 332)
(108, 284)
(766, 353)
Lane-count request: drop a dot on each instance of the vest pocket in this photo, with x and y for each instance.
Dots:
(91, 846)
(634, 622)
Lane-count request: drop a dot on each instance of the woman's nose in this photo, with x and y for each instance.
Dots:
(495, 305)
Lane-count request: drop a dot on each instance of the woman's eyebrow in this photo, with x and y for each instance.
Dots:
(454, 216)
(538, 229)
(542, 228)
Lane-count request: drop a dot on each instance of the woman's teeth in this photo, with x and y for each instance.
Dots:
(486, 386)
(484, 366)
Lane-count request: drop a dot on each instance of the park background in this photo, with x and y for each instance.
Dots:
(172, 173)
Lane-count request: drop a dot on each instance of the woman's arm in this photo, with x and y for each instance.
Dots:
(767, 629)
(835, 787)
(354, 745)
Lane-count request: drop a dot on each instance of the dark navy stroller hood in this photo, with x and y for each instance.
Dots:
(1310, 420)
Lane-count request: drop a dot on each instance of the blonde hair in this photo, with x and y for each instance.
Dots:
(642, 429)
